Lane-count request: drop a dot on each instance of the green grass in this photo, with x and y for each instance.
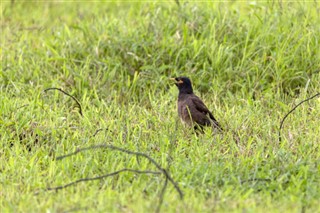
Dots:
(251, 62)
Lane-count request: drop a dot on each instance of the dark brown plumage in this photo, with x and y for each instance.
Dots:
(191, 109)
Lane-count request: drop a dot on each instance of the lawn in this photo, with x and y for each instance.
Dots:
(250, 61)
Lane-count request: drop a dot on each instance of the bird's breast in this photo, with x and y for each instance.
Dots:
(184, 112)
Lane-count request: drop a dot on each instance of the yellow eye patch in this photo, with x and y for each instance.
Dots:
(177, 81)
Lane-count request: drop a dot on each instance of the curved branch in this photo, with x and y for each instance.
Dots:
(78, 103)
(99, 130)
(163, 190)
(130, 153)
(294, 108)
(101, 177)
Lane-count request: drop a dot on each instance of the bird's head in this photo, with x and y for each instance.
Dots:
(184, 84)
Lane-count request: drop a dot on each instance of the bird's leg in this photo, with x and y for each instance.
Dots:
(198, 129)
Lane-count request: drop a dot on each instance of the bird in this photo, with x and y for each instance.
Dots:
(191, 109)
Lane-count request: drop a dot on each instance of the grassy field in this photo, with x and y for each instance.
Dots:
(251, 62)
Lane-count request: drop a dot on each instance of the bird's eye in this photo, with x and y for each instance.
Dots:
(179, 81)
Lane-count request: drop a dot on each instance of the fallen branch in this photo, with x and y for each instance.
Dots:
(294, 108)
(99, 130)
(103, 176)
(162, 195)
(130, 153)
(78, 103)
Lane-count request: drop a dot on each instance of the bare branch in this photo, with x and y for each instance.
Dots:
(78, 103)
(99, 130)
(294, 108)
(103, 176)
(163, 190)
(130, 153)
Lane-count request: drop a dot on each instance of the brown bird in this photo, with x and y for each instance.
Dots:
(191, 109)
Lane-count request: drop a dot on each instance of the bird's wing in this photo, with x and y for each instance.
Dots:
(201, 107)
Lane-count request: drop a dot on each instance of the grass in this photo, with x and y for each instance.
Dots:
(251, 62)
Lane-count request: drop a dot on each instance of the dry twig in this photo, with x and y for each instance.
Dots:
(103, 176)
(161, 196)
(294, 108)
(151, 160)
(78, 103)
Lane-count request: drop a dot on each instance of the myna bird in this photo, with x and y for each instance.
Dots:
(191, 109)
